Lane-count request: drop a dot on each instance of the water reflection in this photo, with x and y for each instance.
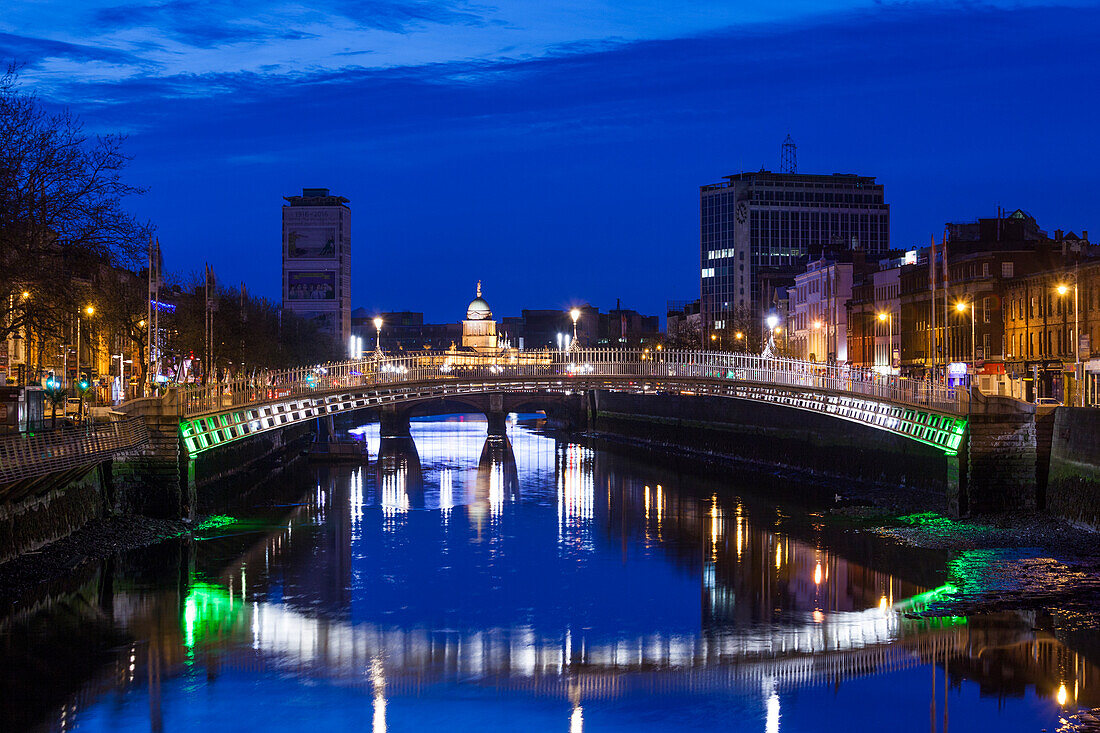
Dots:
(538, 569)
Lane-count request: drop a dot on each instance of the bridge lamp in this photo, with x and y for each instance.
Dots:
(378, 333)
(772, 321)
(575, 314)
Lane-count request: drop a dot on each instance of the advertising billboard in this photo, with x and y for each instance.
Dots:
(316, 285)
(311, 242)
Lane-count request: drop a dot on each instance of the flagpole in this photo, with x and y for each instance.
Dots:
(946, 280)
(932, 268)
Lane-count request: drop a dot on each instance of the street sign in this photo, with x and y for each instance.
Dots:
(895, 361)
(979, 357)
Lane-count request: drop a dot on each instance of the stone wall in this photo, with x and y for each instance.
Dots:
(771, 435)
(1073, 481)
(1002, 455)
(57, 512)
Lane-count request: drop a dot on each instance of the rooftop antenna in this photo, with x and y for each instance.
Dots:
(788, 162)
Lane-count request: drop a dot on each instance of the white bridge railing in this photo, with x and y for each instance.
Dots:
(582, 365)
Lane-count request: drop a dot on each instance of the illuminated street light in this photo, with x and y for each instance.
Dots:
(961, 307)
(884, 316)
(378, 334)
(1062, 290)
(575, 314)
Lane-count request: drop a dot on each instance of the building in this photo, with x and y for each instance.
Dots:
(479, 330)
(405, 331)
(818, 322)
(317, 260)
(984, 258)
(1041, 315)
(757, 230)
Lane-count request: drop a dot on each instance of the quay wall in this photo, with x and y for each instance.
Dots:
(1073, 479)
(772, 435)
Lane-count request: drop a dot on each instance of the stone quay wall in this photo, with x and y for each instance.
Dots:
(1073, 480)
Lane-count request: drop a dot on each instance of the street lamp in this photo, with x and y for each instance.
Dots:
(575, 314)
(885, 316)
(1062, 290)
(961, 308)
(90, 310)
(378, 334)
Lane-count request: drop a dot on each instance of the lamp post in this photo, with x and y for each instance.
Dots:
(771, 322)
(378, 335)
(739, 336)
(961, 307)
(1062, 290)
(888, 317)
(90, 310)
(575, 314)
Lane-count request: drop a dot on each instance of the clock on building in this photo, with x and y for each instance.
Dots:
(742, 212)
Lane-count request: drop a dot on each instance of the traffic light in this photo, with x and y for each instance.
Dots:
(84, 383)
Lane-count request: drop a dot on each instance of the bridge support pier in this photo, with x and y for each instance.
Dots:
(393, 422)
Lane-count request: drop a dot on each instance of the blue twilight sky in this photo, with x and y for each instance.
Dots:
(554, 149)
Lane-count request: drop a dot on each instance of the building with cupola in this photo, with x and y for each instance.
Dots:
(479, 330)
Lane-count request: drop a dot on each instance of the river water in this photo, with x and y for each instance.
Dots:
(454, 583)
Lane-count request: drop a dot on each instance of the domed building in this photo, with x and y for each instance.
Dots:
(479, 330)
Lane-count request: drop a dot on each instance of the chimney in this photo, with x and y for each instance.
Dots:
(1057, 235)
(1085, 234)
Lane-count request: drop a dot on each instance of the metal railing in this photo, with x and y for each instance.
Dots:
(26, 455)
(618, 364)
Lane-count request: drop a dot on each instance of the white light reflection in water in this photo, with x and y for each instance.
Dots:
(576, 720)
(576, 494)
(395, 500)
(378, 681)
(446, 493)
(355, 500)
(496, 487)
(771, 724)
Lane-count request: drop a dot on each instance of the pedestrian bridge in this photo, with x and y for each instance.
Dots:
(212, 416)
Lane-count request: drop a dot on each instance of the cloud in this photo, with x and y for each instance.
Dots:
(402, 16)
(32, 51)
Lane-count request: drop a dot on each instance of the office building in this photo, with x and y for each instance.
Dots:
(317, 260)
(758, 229)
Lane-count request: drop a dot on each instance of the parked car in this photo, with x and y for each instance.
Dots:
(72, 406)
(1048, 402)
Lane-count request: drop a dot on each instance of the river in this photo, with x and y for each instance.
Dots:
(534, 584)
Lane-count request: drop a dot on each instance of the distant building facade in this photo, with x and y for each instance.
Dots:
(317, 260)
(757, 229)
(818, 317)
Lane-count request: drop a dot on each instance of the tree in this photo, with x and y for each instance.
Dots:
(61, 213)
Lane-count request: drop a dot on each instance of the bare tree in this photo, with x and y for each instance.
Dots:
(61, 213)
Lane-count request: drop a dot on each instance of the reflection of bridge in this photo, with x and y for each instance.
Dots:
(223, 413)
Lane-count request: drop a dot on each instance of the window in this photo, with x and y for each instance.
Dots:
(1007, 269)
(708, 272)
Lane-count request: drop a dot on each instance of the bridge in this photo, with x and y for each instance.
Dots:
(213, 416)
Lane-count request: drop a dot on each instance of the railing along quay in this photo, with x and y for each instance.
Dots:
(26, 456)
(618, 364)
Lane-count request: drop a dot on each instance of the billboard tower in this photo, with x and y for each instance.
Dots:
(317, 260)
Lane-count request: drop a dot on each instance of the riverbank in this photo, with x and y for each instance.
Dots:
(1019, 561)
(96, 541)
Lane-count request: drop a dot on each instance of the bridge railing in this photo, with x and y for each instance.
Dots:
(442, 367)
(25, 456)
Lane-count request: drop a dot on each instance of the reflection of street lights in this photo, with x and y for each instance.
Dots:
(575, 314)
(1062, 290)
(90, 310)
(378, 334)
(884, 316)
(961, 308)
